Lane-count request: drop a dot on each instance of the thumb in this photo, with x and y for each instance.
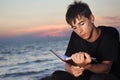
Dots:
(88, 58)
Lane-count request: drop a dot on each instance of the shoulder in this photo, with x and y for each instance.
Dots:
(109, 31)
(74, 36)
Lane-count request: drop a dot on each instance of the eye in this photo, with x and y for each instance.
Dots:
(74, 27)
(81, 23)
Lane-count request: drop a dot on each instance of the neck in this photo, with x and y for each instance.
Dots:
(95, 34)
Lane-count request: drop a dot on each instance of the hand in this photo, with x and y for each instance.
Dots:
(77, 70)
(74, 70)
(81, 58)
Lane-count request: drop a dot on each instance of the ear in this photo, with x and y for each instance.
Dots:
(92, 18)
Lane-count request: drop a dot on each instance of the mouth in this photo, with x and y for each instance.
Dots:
(83, 35)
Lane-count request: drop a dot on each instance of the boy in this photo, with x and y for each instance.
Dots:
(88, 41)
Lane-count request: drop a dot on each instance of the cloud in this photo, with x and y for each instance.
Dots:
(58, 30)
(40, 31)
(113, 21)
(108, 20)
(53, 31)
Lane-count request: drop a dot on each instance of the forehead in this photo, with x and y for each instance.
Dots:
(78, 19)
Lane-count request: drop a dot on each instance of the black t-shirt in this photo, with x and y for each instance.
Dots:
(106, 47)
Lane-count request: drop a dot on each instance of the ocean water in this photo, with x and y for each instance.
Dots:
(30, 60)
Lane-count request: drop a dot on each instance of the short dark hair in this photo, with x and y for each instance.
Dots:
(77, 9)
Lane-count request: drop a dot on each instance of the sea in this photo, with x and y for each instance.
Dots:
(30, 60)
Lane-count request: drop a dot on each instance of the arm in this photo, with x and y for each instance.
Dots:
(74, 70)
(103, 67)
(84, 60)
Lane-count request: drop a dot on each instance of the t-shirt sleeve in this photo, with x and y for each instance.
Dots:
(73, 45)
(110, 48)
(70, 45)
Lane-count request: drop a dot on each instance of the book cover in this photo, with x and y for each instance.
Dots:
(67, 59)
(64, 58)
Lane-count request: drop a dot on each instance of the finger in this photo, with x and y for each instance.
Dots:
(82, 58)
(75, 57)
(77, 74)
(88, 58)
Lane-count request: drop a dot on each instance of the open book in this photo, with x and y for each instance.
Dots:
(67, 59)
(64, 58)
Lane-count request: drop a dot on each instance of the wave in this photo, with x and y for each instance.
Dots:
(6, 52)
(21, 74)
(2, 58)
(24, 63)
(29, 61)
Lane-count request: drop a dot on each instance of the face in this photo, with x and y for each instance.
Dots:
(83, 27)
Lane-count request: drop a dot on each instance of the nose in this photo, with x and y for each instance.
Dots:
(79, 30)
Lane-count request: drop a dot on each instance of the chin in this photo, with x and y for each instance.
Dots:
(84, 37)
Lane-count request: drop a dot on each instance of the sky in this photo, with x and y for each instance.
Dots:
(46, 18)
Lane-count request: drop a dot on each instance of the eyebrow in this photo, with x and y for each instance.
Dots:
(81, 21)
(78, 23)
(73, 26)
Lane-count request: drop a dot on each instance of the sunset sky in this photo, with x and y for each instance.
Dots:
(42, 18)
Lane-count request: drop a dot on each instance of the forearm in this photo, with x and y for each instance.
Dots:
(67, 67)
(98, 68)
